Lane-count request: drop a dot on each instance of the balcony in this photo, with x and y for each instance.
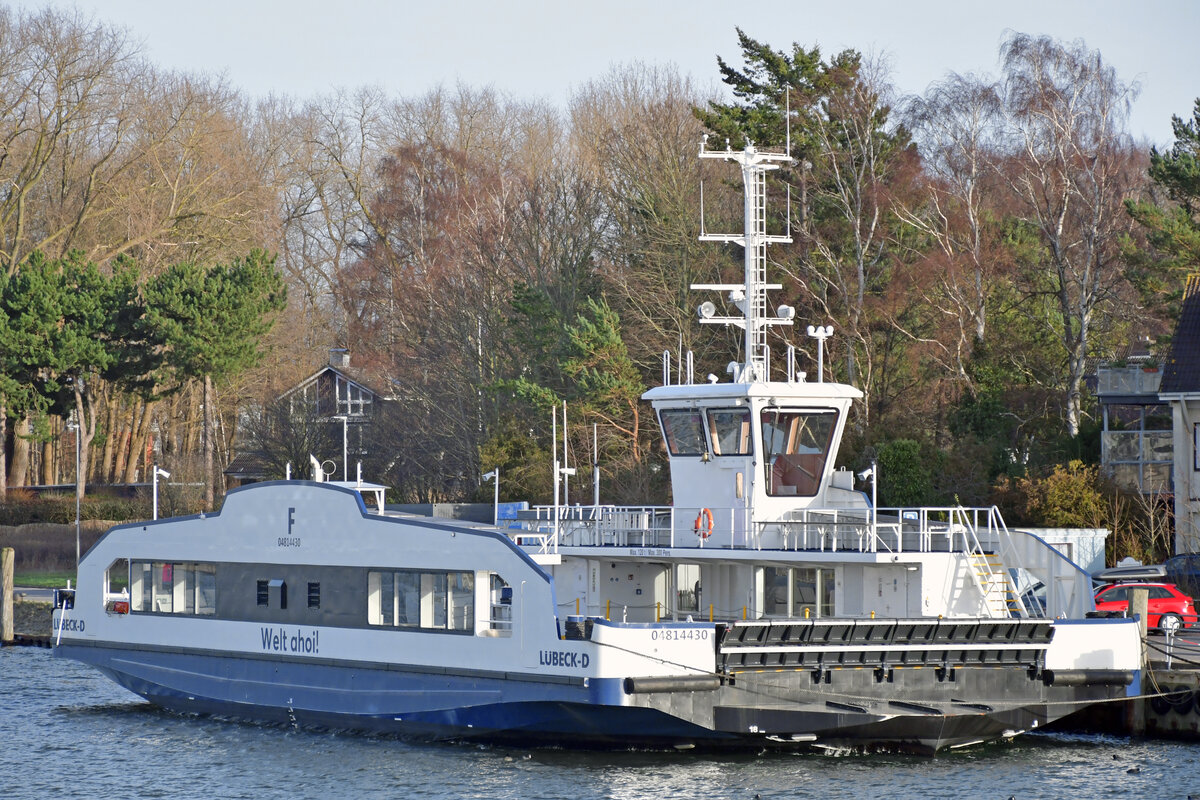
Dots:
(1135, 380)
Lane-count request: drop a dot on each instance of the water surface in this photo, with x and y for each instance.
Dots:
(70, 732)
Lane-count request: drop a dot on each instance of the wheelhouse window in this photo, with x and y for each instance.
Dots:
(421, 600)
(730, 428)
(683, 430)
(159, 587)
(796, 446)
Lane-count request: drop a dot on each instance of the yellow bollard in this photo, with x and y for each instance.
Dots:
(608, 609)
(743, 612)
(806, 612)
(657, 612)
(577, 606)
(710, 612)
(872, 615)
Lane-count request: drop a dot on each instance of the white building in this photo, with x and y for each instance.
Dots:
(1181, 388)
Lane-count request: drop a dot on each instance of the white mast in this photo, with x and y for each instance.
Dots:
(751, 295)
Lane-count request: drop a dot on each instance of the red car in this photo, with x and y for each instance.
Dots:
(1168, 609)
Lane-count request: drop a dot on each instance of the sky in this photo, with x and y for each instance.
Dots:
(539, 49)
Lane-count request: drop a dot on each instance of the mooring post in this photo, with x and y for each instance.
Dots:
(7, 557)
(1139, 605)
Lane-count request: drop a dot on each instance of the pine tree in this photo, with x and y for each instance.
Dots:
(209, 321)
(1173, 230)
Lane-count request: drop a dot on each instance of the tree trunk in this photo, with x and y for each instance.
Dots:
(137, 447)
(20, 458)
(209, 476)
(106, 459)
(49, 464)
(194, 411)
(121, 446)
(85, 414)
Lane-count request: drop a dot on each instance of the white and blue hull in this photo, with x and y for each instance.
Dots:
(205, 626)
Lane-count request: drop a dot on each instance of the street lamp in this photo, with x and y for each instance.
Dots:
(487, 476)
(74, 426)
(158, 473)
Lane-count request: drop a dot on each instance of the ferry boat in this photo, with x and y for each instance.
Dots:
(772, 605)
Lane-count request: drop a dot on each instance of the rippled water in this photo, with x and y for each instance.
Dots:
(69, 732)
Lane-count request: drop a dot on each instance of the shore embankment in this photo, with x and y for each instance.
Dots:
(32, 623)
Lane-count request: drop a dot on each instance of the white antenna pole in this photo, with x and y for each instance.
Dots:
(820, 333)
(554, 453)
(679, 354)
(566, 476)
(787, 94)
(595, 465)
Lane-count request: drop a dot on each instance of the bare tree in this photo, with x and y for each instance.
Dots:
(957, 123)
(634, 131)
(1070, 162)
(66, 115)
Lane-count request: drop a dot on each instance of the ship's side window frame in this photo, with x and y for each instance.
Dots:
(796, 444)
(172, 587)
(683, 431)
(423, 600)
(797, 592)
(730, 430)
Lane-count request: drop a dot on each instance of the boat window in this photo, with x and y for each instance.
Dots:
(688, 595)
(796, 446)
(314, 595)
(421, 600)
(408, 599)
(798, 592)
(173, 588)
(684, 432)
(116, 578)
(730, 429)
(500, 622)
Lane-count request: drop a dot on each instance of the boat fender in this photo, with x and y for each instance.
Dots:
(704, 523)
(678, 683)
(1087, 677)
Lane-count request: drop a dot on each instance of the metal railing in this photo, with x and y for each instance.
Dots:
(890, 530)
(973, 532)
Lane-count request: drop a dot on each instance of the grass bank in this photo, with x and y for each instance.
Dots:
(49, 547)
(44, 580)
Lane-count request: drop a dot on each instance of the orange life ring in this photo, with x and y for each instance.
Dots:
(704, 523)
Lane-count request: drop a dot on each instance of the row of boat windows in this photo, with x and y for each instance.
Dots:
(413, 599)
(173, 588)
(795, 443)
(426, 600)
